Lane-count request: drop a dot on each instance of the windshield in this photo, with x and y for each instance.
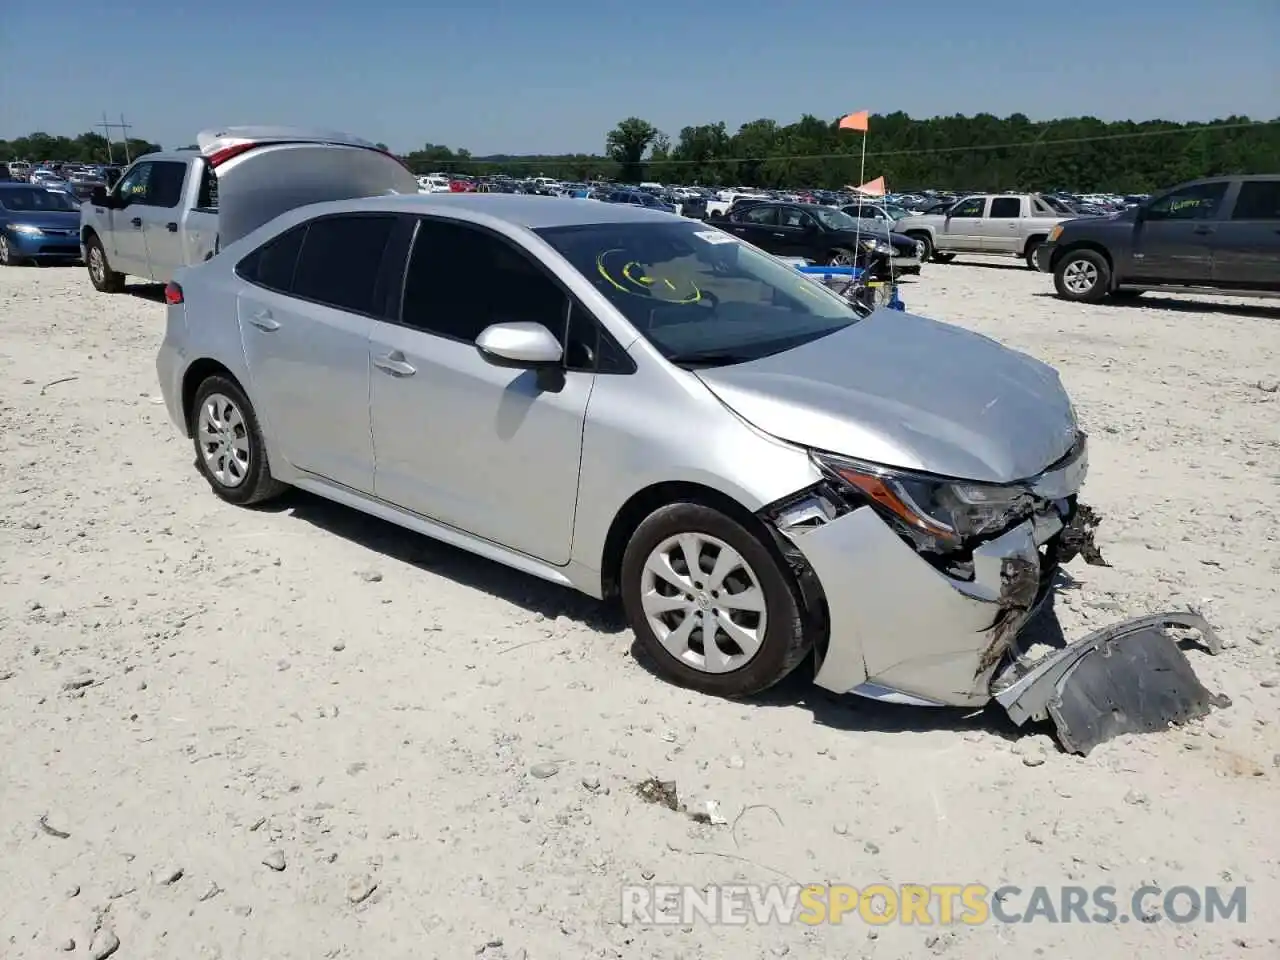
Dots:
(31, 199)
(835, 219)
(698, 294)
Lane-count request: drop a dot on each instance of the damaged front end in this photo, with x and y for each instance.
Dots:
(926, 581)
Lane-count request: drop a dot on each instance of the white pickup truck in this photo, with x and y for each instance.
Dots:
(1001, 224)
(170, 210)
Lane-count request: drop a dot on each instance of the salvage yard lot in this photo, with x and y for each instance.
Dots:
(187, 687)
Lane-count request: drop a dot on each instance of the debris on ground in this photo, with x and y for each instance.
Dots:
(1078, 538)
(660, 792)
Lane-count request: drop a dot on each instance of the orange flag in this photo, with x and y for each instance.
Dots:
(855, 121)
(873, 188)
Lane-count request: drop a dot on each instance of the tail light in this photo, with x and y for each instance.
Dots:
(219, 157)
(172, 294)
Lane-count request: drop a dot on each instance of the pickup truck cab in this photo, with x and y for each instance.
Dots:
(1219, 236)
(1001, 224)
(171, 210)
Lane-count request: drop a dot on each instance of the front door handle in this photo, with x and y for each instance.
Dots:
(781, 236)
(394, 364)
(264, 321)
(171, 227)
(1202, 230)
(137, 222)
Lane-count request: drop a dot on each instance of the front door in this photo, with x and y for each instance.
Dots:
(1246, 252)
(961, 230)
(126, 241)
(488, 450)
(305, 318)
(1174, 235)
(795, 233)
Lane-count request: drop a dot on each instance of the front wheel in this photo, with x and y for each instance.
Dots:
(713, 607)
(103, 278)
(7, 257)
(1083, 276)
(840, 257)
(230, 452)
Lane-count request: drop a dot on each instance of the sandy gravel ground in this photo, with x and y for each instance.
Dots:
(188, 690)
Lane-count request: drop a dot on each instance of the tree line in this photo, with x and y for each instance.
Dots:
(982, 152)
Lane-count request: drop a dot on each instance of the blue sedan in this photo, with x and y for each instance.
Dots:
(37, 224)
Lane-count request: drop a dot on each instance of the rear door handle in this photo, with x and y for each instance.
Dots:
(394, 364)
(171, 227)
(137, 222)
(264, 321)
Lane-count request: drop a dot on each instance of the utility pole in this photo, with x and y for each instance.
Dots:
(107, 129)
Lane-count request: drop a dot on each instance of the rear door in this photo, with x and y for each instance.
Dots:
(161, 213)
(1001, 227)
(1246, 247)
(306, 310)
(961, 227)
(1174, 236)
(758, 224)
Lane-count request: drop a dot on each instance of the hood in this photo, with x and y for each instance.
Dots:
(45, 219)
(268, 171)
(908, 392)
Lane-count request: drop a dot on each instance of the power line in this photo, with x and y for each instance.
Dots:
(924, 151)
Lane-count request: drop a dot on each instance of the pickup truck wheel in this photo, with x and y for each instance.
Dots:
(103, 278)
(713, 607)
(1082, 276)
(926, 254)
(1031, 253)
(230, 452)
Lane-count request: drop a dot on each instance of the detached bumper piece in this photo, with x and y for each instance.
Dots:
(1127, 678)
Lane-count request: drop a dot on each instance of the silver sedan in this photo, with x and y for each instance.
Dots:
(641, 406)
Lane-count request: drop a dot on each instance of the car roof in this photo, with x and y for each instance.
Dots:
(525, 210)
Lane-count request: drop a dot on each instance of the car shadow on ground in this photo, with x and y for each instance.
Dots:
(847, 712)
(146, 291)
(1011, 265)
(1257, 311)
(460, 566)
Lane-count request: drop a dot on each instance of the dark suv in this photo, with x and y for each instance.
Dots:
(1220, 235)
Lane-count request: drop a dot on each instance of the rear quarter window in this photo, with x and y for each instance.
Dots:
(273, 264)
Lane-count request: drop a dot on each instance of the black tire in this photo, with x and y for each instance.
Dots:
(1032, 247)
(927, 253)
(255, 483)
(943, 257)
(7, 257)
(785, 642)
(850, 258)
(103, 278)
(1085, 264)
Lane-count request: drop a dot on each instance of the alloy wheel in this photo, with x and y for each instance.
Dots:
(224, 440)
(703, 602)
(5, 254)
(1080, 276)
(97, 264)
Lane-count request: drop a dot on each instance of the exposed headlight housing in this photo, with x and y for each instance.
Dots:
(938, 514)
(1055, 233)
(26, 228)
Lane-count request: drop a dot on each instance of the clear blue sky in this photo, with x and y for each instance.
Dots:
(525, 77)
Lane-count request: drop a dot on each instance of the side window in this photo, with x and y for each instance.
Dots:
(1258, 200)
(133, 186)
(272, 264)
(165, 187)
(972, 207)
(1200, 202)
(791, 217)
(340, 261)
(1005, 208)
(760, 215)
(461, 279)
(208, 198)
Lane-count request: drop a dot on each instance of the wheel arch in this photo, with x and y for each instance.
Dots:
(1033, 241)
(197, 373)
(1077, 245)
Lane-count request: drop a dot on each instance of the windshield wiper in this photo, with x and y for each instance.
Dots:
(708, 358)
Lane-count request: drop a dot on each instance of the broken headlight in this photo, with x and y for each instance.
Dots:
(936, 513)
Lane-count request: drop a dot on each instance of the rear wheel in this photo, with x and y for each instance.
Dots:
(230, 452)
(1083, 276)
(713, 607)
(1032, 247)
(103, 278)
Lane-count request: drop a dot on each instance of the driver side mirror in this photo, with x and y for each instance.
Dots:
(99, 197)
(522, 345)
